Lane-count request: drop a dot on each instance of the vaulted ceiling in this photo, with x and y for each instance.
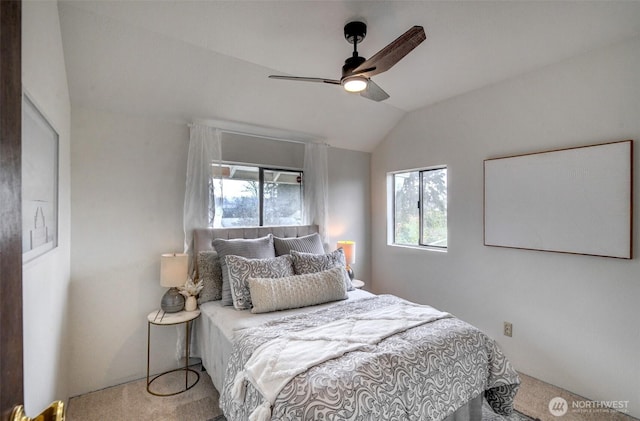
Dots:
(185, 60)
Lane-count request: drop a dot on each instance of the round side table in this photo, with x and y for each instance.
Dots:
(161, 318)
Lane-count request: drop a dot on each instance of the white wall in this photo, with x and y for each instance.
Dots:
(46, 279)
(127, 177)
(574, 317)
(349, 206)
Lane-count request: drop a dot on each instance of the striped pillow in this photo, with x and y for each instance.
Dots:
(307, 244)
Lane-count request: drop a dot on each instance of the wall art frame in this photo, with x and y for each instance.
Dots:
(575, 200)
(40, 154)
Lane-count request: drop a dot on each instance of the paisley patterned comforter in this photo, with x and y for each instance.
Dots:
(424, 373)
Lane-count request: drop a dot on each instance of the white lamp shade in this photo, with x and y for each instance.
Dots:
(349, 248)
(174, 268)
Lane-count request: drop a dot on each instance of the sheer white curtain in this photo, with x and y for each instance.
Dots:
(316, 187)
(204, 150)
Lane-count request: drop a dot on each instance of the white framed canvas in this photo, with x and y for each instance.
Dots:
(39, 183)
(575, 200)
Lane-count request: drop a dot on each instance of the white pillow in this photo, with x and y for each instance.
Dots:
(271, 294)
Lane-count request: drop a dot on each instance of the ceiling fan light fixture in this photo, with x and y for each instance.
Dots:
(355, 83)
(357, 71)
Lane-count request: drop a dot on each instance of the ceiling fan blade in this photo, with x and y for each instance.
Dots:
(374, 92)
(306, 79)
(386, 58)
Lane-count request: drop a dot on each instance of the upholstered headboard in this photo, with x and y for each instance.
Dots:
(203, 237)
(203, 242)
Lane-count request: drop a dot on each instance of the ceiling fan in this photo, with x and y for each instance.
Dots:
(357, 71)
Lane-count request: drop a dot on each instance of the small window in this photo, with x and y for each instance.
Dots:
(420, 208)
(249, 196)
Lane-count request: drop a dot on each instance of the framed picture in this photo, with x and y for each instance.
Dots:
(576, 200)
(39, 183)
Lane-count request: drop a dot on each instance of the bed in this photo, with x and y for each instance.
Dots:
(376, 357)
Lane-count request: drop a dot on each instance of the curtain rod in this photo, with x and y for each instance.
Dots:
(310, 139)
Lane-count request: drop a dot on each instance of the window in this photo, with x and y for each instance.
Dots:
(249, 196)
(420, 207)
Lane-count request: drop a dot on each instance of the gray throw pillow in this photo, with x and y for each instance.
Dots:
(311, 263)
(268, 294)
(257, 248)
(210, 272)
(307, 244)
(240, 269)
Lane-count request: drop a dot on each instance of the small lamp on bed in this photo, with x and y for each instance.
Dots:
(349, 248)
(173, 274)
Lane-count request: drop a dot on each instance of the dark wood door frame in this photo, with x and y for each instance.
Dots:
(11, 359)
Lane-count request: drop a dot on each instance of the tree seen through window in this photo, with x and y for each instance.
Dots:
(420, 208)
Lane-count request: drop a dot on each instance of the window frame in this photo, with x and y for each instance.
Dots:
(420, 205)
(261, 180)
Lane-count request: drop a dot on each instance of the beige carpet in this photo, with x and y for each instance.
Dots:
(131, 401)
(534, 396)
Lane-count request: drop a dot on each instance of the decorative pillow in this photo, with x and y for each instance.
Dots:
(307, 244)
(296, 291)
(309, 263)
(210, 272)
(257, 248)
(241, 269)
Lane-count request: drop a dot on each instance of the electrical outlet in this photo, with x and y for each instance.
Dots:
(508, 329)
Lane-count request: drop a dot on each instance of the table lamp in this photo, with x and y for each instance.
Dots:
(173, 274)
(349, 248)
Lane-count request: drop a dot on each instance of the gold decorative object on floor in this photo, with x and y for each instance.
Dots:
(55, 412)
